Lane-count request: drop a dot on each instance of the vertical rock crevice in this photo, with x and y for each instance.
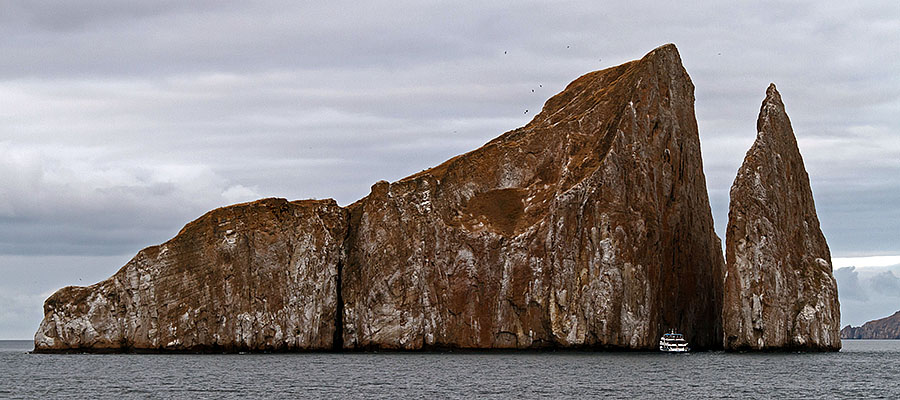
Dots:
(337, 343)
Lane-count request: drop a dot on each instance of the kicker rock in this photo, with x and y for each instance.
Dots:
(590, 227)
(779, 288)
(253, 276)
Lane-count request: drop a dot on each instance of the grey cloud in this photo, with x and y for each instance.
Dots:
(29, 280)
(848, 284)
(867, 293)
(886, 284)
(67, 16)
(58, 204)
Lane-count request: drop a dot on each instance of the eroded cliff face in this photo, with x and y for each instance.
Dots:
(588, 227)
(779, 288)
(253, 276)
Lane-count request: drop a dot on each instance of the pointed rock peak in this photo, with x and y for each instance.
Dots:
(663, 61)
(663, 57)
(612, 88)
(773, 98)
(773, 119)
(666, 49)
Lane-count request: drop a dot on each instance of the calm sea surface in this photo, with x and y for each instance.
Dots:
(863, 369)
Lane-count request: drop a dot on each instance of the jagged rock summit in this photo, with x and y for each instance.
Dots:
(590, 227)
(884, 328)
(779, 289)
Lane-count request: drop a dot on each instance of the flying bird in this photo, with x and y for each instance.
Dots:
(526, 112)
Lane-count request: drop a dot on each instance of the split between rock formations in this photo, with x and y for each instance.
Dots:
(588, 228)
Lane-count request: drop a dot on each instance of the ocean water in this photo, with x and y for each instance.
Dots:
(863, 369)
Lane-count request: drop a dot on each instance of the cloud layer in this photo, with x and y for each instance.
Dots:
(869, 293)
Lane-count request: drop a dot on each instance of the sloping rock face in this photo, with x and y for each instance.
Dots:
(590, 227)
(885, 328)
(253, 276)
(779, 288)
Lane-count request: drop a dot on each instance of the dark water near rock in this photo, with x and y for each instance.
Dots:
(864, 368)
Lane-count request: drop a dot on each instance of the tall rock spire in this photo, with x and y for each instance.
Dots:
(779, 289)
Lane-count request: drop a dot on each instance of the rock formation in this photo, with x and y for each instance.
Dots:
(884, 328)
(253, 276)
(779, 288)
(590, 227)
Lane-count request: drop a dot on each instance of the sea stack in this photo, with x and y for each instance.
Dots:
(590, 227)
(780, 293)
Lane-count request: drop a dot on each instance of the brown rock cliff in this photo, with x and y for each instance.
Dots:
(779, 288)
(589, 227)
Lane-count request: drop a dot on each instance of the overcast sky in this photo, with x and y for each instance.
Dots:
(120, 121)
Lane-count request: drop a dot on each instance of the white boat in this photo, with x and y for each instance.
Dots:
(673, 343)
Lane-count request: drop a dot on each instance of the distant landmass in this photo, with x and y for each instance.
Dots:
(885, 328)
